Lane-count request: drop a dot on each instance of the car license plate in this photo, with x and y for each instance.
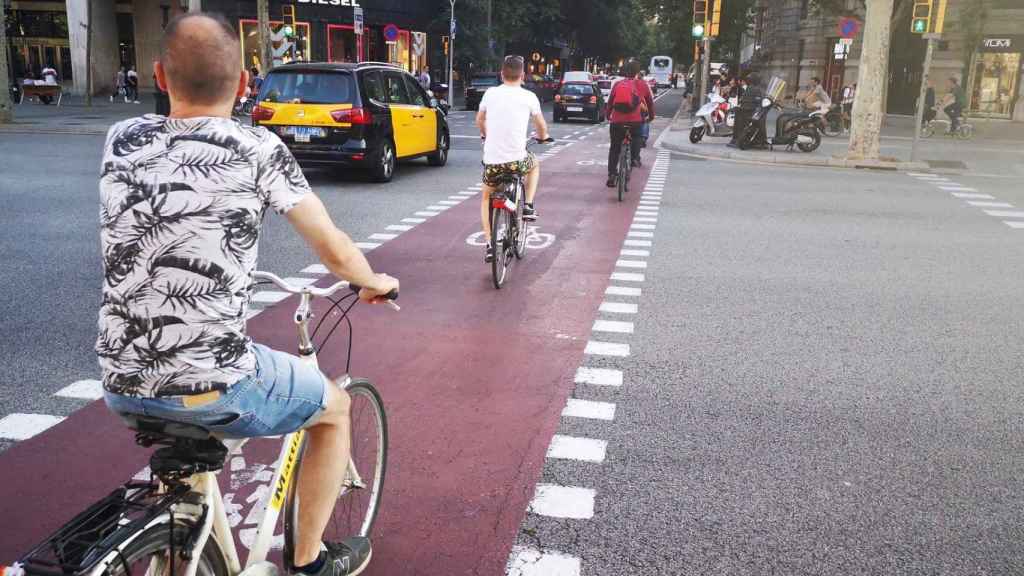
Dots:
(304, 133)
(574, 108)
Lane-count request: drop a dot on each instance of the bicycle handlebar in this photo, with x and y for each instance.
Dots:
(318, 292)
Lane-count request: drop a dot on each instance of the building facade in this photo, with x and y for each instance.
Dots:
(981, 45)
(127, 33)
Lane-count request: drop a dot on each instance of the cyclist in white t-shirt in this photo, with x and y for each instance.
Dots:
(504, 116)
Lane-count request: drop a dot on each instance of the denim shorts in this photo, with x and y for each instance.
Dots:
(284, 395)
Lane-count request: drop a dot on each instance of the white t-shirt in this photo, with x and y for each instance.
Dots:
(509, 109)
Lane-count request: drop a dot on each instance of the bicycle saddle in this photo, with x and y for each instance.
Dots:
(163, 429)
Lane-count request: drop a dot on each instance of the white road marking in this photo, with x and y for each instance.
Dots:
(627, 277)
(577, 408)
(637, 263)
(628, 252)
(978, 196)
(449, 202)
(367, 245)
(632, 234)
(414, 220)
(1014, 223)
(400, 227)
(563, 501)
(300, 281)
(643, 226)
(958, 188)
(381, 236)
(525, 561)
(644, 219)
(315, 269)
(84, 389)
(992, 204)
(617, 349)
(425, 213)
(619, 307)
(24, 426)
(269, 296)
(613, 326)
(598, 376)
(460, 197)
(622, 291)
(1005, 213)
(575, 448)
(438, 208)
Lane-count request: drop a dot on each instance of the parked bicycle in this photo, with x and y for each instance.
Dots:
(176, 524)
(508, 228)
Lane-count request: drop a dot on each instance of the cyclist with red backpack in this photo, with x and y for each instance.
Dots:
(626, 104)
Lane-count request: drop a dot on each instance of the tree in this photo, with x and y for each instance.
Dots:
(868, 110)
(6, 106)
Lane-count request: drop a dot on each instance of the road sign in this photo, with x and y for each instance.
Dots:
(849, 27)
(391, 33)
(452, 31)
(357, 20)
(419, 43)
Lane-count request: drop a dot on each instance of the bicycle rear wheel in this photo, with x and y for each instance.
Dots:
(965, 131)
(150, 554)
(623, 170)
(359, 500)
(501, 224)
(927, 130)
(520, 234)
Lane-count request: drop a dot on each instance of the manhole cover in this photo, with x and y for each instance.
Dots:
(956, 164)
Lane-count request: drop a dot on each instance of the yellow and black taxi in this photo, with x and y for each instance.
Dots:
(368, 114)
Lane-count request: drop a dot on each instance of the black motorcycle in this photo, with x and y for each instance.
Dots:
(798, 129)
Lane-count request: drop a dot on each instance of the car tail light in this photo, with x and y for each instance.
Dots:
(593, 99)
(558, 97)
(352, 116)
(262, 113)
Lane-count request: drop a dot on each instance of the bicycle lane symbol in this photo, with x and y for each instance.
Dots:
(534, 240)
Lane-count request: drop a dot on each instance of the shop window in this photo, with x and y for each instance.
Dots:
(342, 44)
(995, 80)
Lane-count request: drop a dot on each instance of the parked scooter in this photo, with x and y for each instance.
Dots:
(798, 129)
(713, 119)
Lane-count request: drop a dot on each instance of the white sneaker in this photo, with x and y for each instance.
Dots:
(111, 98)
(137, 102)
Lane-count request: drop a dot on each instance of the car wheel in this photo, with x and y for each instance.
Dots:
(440, 157)
(383, 167)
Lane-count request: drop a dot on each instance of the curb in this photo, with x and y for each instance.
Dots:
(28, 129)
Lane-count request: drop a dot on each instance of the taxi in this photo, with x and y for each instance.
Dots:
(369, 115)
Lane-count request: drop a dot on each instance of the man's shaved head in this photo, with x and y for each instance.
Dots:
(201, 58)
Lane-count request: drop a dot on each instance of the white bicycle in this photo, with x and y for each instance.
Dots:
(176, 524)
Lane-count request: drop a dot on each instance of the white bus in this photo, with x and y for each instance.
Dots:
(661, 69)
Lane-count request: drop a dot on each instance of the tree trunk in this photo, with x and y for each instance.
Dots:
(266, 50)
(869, 104)
(6, 106)
(88, 52)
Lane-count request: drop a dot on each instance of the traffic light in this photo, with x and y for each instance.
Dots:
(700, 17)
(922, 17)
(444, 41)
(716, 17)
(288, 15)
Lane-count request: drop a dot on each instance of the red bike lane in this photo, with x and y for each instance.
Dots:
(473, 381)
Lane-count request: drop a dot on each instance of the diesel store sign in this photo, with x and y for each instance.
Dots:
(1007, 43)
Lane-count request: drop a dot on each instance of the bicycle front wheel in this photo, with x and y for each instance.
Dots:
(623, 170)
(359, 497)
(150, 554)
(519, 241)
(965, 131)
(501, 224)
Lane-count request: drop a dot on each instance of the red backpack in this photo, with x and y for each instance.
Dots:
(625, 103)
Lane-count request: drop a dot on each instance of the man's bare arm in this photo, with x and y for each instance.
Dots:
(481, 122)
(541, 126)
(335, 249)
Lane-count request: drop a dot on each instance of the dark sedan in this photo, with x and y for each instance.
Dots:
(479, 84)
(579, 100)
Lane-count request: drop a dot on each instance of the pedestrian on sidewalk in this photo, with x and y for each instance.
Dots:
(120, 80)
(849, 94)
(929, 104)
(424, 78)
(749, 101)
(132, 85)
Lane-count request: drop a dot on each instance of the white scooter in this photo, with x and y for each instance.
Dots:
(713, 118)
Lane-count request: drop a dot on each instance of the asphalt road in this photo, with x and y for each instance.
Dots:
(820, 370)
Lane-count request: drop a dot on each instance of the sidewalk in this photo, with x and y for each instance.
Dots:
(74, 117)
(995, 150)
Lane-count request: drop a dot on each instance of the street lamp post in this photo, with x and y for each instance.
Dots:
(451, 58)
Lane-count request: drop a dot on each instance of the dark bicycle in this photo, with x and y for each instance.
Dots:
(508, 229)
(625, 165)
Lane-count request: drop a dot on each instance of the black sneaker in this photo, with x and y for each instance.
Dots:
(346, 558)
(637, 163)
(612, 181)
(529, 212)
(489, 254)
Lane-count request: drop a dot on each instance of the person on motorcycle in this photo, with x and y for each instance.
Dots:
(750, 98)
(625, 113)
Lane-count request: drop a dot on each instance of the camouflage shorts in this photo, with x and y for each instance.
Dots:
(496, 174)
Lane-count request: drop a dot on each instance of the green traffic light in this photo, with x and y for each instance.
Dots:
(698, 30)
(920, 25)
(288, 31)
